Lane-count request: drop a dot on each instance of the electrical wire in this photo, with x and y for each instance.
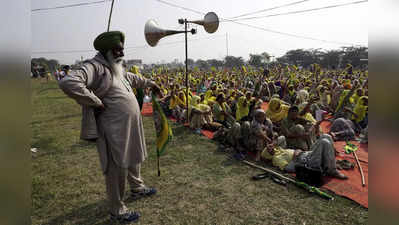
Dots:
(261, 28)
(70, 6)
(301, 11)
(269, 9)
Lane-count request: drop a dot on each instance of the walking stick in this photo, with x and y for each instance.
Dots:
(352, 148)
(360, 168)
(298, 183)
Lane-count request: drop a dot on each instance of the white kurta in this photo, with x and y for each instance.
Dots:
(121, 125)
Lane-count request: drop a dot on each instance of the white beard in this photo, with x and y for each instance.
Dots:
(116, 65)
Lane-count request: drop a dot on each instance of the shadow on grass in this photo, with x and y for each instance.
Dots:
(87, 214)
(179, 130)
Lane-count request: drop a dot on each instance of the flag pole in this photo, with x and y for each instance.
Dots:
(110, 15)
(159, 170)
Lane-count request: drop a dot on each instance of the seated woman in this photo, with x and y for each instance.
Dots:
(360, 113)
(321, 157)
(345, 102)
(325, 99)
(197, 119)
(277, 111)
(243, 104)
(290, 94)
(177, 106)
(222, 111)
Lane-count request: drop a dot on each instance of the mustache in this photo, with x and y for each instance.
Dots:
(118, 59)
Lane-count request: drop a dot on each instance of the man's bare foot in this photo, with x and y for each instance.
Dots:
(333, 136)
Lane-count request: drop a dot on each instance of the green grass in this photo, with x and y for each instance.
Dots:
(198, 185)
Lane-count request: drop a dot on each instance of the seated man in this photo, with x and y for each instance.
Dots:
(342, 130)
(299, 132)
(321, 157)
(260, 133)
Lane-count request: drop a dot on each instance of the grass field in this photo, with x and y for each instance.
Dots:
(199, 183)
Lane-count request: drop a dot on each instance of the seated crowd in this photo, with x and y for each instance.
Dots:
(288, 133)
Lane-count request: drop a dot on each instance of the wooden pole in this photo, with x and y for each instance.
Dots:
(269, 171)
(360, 168)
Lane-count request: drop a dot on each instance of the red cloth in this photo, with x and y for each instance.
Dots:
(351, 188)
(147, 109)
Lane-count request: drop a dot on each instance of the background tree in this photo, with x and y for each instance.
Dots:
(353, 55)
(265, 57)
(191, 63)
(202, 64)
(330, 59)
(255, 60)
(231, 61)
(215, 63)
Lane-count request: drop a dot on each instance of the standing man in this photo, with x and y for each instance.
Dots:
(65, 69)
(111, 116)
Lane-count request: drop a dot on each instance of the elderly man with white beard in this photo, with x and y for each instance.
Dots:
(112, 117)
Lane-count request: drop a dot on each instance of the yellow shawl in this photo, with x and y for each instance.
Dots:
(360, 109)
(276, 111)
(242, 111)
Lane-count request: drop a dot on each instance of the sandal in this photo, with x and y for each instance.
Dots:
(345, 164)
(146, 192)
(261, 176)
(128, 217)
(279, 180)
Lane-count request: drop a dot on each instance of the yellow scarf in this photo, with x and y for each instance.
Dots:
(342, 97)
(308, 116)
(356, 97)
(276, 111)
(194, 103)
(242, 110)
(360, 109)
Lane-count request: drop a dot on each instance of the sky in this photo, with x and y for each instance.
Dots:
(62, 33)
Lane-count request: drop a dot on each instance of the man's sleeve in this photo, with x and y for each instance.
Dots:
(137, 81)
(75, 86)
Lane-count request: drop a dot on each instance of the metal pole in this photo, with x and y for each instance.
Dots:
(185, 33)
(227, 45)
(110, 15)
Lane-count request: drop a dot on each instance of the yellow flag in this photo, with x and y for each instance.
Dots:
(244, 69)
(163, 130)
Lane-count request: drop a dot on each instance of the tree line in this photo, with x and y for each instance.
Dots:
(338, 58)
